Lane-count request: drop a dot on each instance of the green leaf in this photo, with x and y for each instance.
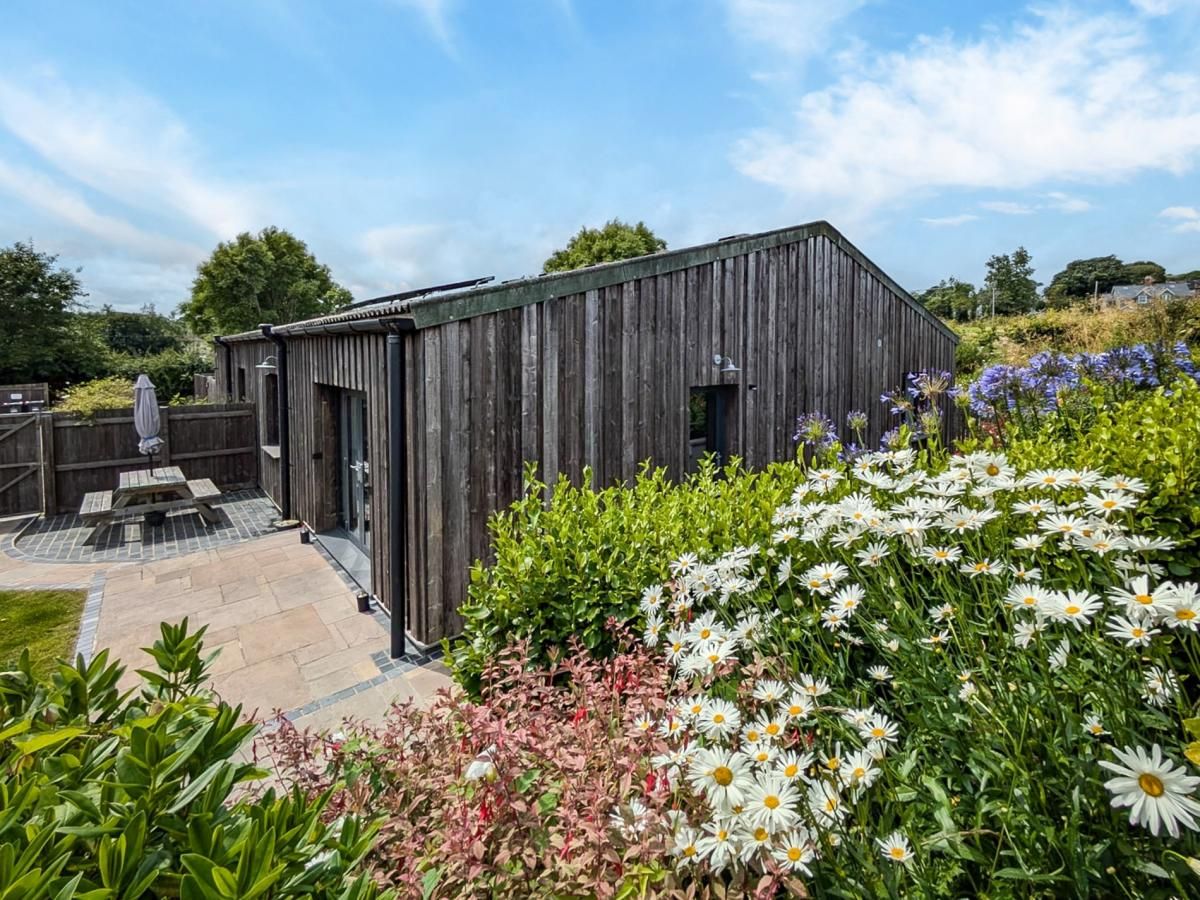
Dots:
(430, 882)
(45, 740)
(525, 780)
(18, 728)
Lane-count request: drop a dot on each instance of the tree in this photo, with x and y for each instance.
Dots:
(616, 240)
(1137, 272)
(40, 340)
(949, 298)
(138, 333)
(1079, 280)
(1193, 275)
(1010, 276)
(268, 277)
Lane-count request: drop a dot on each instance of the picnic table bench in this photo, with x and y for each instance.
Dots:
(143, 490)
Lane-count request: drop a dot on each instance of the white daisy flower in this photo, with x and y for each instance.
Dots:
(769, 690)
(981, 567)
(1093, 726)
(722, 775)
(798, 706)
(937, 640)
(1133, 632)
(1156, 790)
(1183, 608)
(1029, 541)
(1030, 597)
(1025, 632)
(1109, 502)
(684, 564)
(880, 673)
(1123, 483)
(942, 556)
(1075, 607)
(860, 771)
(792, 765)
(717, 846)
(684, 850)
(872, 554)
(895, 847)
(771, 802)
(1140, 600)
(813, 687)
(880, 731)
(826, 803)
(1059, 655)
(719, 719)
(794, 852)
(1161, 686)
(753, 841)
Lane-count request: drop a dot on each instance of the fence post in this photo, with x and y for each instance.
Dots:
(164, 432)
(46, 436)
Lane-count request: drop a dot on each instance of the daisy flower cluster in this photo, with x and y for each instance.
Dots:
(891, 568)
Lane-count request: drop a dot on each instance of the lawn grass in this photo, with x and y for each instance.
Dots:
(44, 621)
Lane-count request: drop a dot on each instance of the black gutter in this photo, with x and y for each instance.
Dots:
(281, 404)
(397, 480)
(221, 342)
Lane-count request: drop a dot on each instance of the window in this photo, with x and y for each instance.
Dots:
(241, 384)
(708, 424)
(270, 410)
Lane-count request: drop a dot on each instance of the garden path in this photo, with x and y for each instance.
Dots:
(287, 625)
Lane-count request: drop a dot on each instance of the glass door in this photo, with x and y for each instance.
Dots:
(356, 469)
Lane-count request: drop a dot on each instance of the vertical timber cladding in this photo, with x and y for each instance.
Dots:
(246, 352)
(601, 379)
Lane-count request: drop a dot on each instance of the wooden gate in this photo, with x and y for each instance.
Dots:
(20, 464)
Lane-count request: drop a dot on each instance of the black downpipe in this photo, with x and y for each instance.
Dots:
(228, 354)
(285, 435)
(397, 485)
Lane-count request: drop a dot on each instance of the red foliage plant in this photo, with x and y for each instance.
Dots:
(545, 787)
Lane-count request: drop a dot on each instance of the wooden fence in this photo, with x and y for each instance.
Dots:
(71, 456)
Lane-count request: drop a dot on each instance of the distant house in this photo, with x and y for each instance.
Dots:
(1124, 296)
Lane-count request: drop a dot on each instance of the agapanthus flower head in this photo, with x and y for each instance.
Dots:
(856, 421)
(816, 431)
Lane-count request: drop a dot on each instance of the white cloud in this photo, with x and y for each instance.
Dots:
(799, 28)
(434, 12)
(950, 221)
(124, 145)
(1180, 212)
(1187, 218)
(41, 192)
(1066, 203)
(1160, 7)
(1055, 98)
(1007, 207)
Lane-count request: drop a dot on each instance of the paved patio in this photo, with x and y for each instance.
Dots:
(243, 515)
(286, 624)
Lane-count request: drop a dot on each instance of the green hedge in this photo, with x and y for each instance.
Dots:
(1153, 436)
(563, 567)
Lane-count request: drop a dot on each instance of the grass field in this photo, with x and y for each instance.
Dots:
(44, 621)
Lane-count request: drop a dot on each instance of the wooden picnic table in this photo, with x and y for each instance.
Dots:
(141, 491)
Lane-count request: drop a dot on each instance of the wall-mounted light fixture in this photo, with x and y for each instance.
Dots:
(268, 363)
(725, 363)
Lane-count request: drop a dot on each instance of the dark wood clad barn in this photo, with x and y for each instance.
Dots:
(712, 348)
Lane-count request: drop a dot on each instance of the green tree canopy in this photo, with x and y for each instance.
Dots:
(1081, 277)
(1137, 272)
(137, 333)
(40, 339)
(949, 298)
(1010, 275)
(616, 240)
(1193, 275)
(268, 277)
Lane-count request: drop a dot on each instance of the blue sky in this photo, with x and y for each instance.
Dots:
(416, 141)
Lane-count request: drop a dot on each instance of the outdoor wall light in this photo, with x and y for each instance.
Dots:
(725, 363)
(268, 363)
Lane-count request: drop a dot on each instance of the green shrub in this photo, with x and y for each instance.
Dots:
(171, 370)
(563, 568)
(85, 400)
(1153, 436)
(107, 796)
